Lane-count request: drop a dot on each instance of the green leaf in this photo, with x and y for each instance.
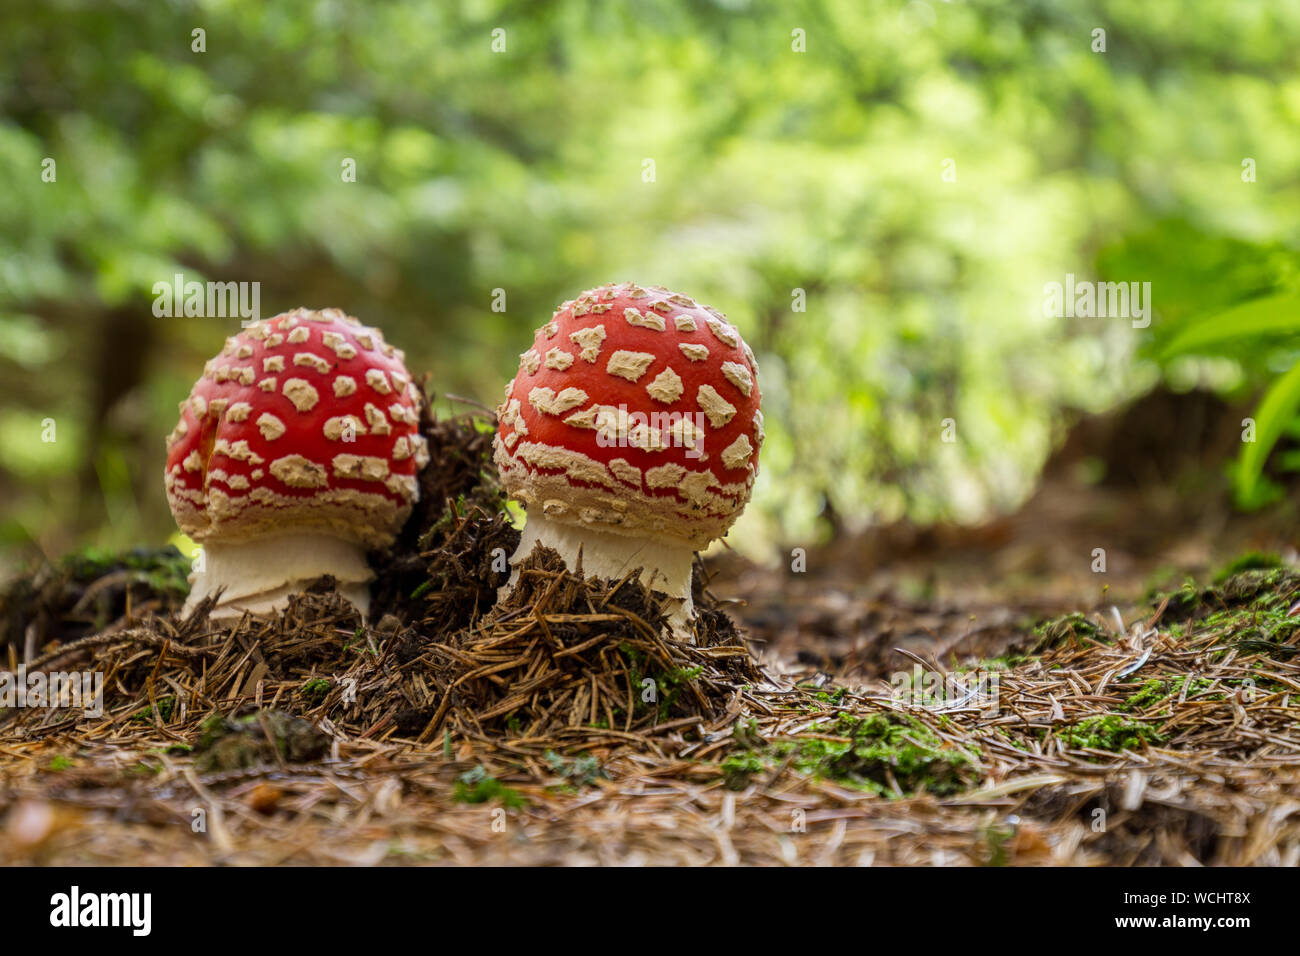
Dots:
(1288, 460)
(1269, 315)
(1275, 412)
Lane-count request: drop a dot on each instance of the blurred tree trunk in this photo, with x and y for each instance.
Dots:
(118, 361)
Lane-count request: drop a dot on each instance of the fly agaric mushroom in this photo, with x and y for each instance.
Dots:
(631, 433)
(296, 451)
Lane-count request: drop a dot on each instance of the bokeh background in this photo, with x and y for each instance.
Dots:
(918, 169)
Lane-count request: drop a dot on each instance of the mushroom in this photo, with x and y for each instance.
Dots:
(296, 451)
(631, 436)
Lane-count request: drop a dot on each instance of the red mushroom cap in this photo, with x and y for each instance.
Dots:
(308, 420)
(636, 410)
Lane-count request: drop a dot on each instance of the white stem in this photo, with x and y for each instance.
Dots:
(666, 566)
(260, 575)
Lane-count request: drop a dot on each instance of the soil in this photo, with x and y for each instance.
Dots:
(931, 696)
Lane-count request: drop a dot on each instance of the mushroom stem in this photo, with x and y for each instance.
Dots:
(666, 566)
(260, 575)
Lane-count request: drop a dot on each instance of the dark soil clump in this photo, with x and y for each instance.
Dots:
(86, 591)
(439, 548)
(263, 737)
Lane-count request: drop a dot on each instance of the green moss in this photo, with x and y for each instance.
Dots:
(739, 768)
(175, 748)
(1069, 629)
(479, 786)
(316, 690)
(1254, 620)
(669, 684)
(1262, 589)
(876, 751)
(1156, 690)
(1250, 561)
(1251, 591)
(1113, 732)
(59, 762)
(672, 683)
(1147, 694)
(996, 840)
(358, 643)
(88, 563)
(888, 743)
(1246, 611)
(1268, 634)
(833, 697)
(164, 710)
(1003, 663)
(580, 771)
(1183, 603)
(163, 570)
(1011, 738)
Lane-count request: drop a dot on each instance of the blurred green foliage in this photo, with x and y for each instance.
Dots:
(1232, 333)
(921, 171)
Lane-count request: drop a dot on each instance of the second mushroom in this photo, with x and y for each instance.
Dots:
(631, 435)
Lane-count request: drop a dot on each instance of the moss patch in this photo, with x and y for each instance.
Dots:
(1067, 630)
(578, 772)
(87, 590)
(885, 752)
(1156, 690)
(479, 786)
(1113, 732)
(1250, 561)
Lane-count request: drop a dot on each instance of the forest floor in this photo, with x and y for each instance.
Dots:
(939, 696)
